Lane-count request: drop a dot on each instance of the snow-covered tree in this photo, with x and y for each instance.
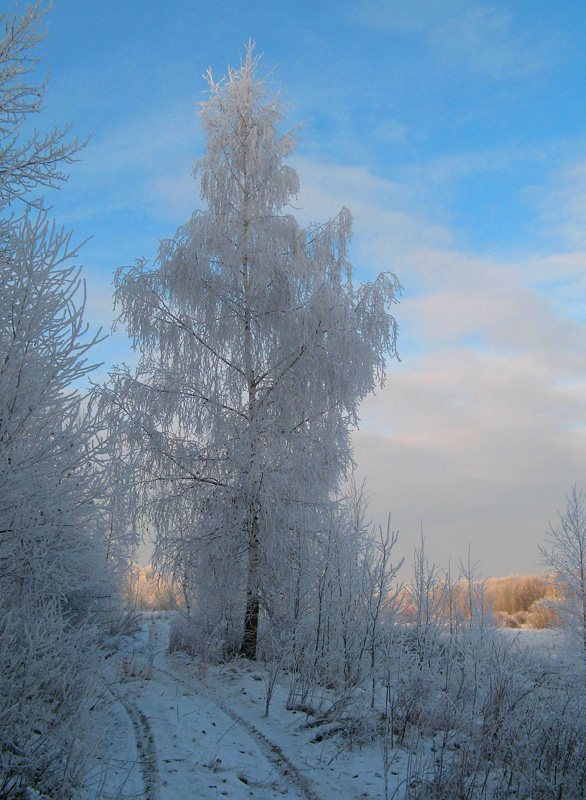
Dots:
(52, 551)
(48, 446)
(565, 555)
(256, 349)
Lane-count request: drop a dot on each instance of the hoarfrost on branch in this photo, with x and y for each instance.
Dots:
(256, 348)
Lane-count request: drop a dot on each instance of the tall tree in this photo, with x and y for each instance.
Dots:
(256, 349)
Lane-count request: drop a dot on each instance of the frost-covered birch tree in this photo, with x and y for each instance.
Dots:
(256, 348)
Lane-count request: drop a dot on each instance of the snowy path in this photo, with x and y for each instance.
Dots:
(147, 751)
(271, 750)
(201, 734)
(190, 744)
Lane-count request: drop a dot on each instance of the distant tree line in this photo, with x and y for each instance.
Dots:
(519, 599)
(516, 600)
(147, 590)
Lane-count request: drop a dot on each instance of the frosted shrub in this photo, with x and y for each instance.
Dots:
(507, 620)
(48, 683)
(533, 728)
(545, 613)
(51, 482)
(565, 555)
(186, 637)
(516, 593)
(197, 636)
(509, 723)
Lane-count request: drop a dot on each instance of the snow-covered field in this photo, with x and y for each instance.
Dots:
(187, 732)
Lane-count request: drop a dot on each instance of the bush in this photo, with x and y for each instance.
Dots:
(544, 613)
(197, 638)
(49, 683)
(508, 620)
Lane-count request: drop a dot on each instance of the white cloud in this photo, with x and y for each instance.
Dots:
(482, 449)
(387, 226)
(561, 201)
(482, 434)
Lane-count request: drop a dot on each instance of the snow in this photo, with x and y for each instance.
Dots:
(185, 730)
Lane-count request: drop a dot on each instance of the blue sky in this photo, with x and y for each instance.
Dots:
(455, 132)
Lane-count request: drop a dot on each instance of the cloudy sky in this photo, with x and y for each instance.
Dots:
(455, 132)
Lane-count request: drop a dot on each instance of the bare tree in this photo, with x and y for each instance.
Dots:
(26, 164)
(380, 595)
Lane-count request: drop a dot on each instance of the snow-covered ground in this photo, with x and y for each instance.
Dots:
(183, 731)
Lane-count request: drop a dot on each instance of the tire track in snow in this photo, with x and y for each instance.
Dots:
(271, 750)
(146, 745)
(146, 748)
(144, 737)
